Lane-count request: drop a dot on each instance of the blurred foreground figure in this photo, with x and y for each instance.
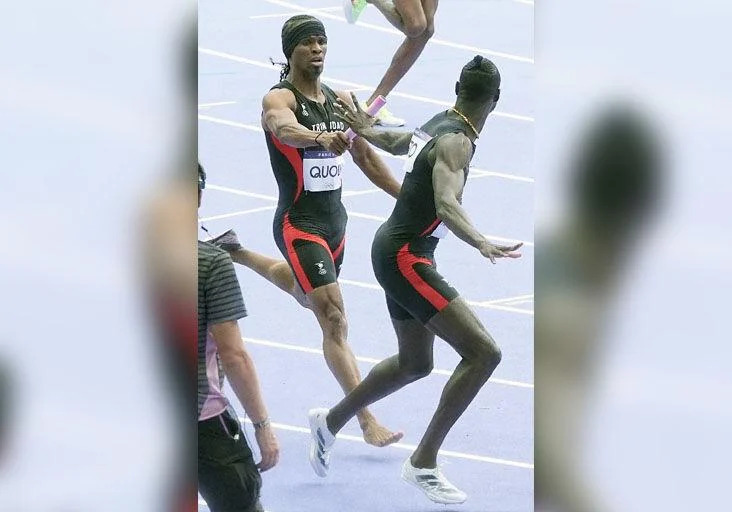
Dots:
(614, 188)
(171, 278)
(5, 409)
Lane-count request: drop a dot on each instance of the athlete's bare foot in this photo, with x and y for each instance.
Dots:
(376, 435)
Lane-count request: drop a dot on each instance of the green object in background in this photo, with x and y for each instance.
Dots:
(353, 9)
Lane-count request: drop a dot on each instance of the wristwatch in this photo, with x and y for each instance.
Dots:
(258, 425)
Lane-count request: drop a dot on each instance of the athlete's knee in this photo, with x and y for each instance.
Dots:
(415, 27)
(429, 30)
(415, 370)
(333, 318)
(487, 354)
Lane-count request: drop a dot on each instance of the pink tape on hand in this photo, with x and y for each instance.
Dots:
(372, 110)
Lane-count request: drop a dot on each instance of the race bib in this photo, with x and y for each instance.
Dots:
(440, 231)
(321, 170)
(416, 144)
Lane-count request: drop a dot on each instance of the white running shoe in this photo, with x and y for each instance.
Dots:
(385, 118)
(352, 9)
(433, 483)
(321, 442)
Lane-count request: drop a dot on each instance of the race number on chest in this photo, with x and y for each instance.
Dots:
(321, 170)
(440, 231)
(416, 144)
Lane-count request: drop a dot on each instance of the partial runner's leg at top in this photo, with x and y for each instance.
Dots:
(389, 10)
(418, 25)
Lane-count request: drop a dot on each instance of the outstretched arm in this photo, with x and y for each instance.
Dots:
(371, 164)
(452, 154)
(391, 141)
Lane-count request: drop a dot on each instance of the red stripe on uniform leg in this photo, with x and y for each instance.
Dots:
(295, 159)
(430, 228)
(339, 249)
(406, 262)
(291, 233)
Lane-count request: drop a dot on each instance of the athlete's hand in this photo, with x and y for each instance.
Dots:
(335, 142)
(492, 251)
(358, 119)
(269, 448)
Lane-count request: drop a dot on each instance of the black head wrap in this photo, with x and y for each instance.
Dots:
(298, 28)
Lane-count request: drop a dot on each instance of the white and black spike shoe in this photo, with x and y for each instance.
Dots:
(433, 483)
(321, 442)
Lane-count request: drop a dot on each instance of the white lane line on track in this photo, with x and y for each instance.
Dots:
(510, 300)
(350, 213)
(390, 30)
(236, 214)
(292, 13)
(241, 192)
(348, 84)
(371, 360)
(409, 447)
(475, 171)
(216, 104)
(373, 286)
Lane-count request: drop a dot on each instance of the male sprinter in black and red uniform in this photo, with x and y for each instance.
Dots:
(306, 139)
(420, 302)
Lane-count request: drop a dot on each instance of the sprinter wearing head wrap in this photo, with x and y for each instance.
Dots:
(306, 141)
